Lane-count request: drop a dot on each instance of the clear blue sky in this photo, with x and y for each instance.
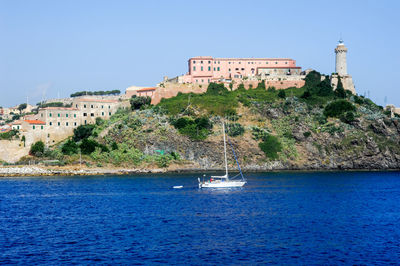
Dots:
(59, 47)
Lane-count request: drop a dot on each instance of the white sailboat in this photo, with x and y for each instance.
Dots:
(224, 181)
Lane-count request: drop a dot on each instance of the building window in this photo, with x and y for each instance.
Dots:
(276, 63)
(201, 68)
(209, 68)
(102, 113)
(217, 68)
(84, 114)
(109, 113)
(66, 123)
(50, 114)
(229, 62)
(41, 127)
(286, 63)
(209, 62)
(33, 127)
(74, 115)
(214, 68)
(74, 123)
(66, 115)
(41, 115)
(248, 63)
(51, 123)
(266, 63)
(202, 80)
(242, 68)
(208, 80)
(201, 62)
(197, 80)
(85, 122)
(58, 123)
(194, 61)
(76, 105)
(240, 63)
(17, 127)
(109, 107)
(229, 69)
(219, 62)
(91, 106)
(92, 114)
(84, 106)
(59, 115)
(102, 106)
(236, 68)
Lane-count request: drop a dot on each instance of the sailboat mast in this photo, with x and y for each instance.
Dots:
(226, 162)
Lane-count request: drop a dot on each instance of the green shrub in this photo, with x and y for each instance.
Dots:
(82, 132)
(312, 79)
(347, 117)
(99, 121)
(216, 88)
(261, 85)
(197, 129)
(271, 146)
(234, 129)
(282, 94)
(337, 108)
(70, 147)
(114, 146)
(307, 134)
(271, 89)
(37, 149)
(139, 102)
(339, 92)
(9, 135)
(88, 146)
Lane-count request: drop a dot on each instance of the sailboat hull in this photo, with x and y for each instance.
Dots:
(221, 184)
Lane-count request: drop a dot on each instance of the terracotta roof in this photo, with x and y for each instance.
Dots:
(97, 100)
(35, 122)
(59, 108)
(147, 89)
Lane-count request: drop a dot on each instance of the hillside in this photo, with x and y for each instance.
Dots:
(312, 127)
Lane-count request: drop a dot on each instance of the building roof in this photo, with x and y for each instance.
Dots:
(59, 108)
(147, 89)
(16, 122)
(35, 122)
(97, 100)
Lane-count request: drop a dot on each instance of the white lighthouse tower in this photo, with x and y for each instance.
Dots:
(341, 63)
(341, 68)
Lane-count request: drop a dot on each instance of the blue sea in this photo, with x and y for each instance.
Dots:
(286, 218)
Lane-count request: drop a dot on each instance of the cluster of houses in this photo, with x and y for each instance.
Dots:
(53, 124)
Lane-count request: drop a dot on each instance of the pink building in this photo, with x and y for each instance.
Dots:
(205, 69)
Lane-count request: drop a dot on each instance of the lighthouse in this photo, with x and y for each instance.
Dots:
(341, 68)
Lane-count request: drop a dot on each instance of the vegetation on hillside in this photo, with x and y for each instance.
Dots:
(100, 93)
(273, 125)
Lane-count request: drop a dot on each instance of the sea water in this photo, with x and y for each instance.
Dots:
(279, 218)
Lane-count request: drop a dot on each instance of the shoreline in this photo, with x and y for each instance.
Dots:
(26, 171)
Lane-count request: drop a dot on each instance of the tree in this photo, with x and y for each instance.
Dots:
(339, 89)
(324, 87)
(216, 88)
(23, 139)
(271, 146)
(312, 79)
(21, 107)
(70, 147)
(337, 108)
(37, 149)
(82, 132)
(138, 102)
(261, 85)
(282, 94)
(241, 87)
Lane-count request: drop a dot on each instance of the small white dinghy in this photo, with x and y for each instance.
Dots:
(177, 187)
(224, 181)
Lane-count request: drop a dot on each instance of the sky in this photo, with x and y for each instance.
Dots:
(50, 49)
